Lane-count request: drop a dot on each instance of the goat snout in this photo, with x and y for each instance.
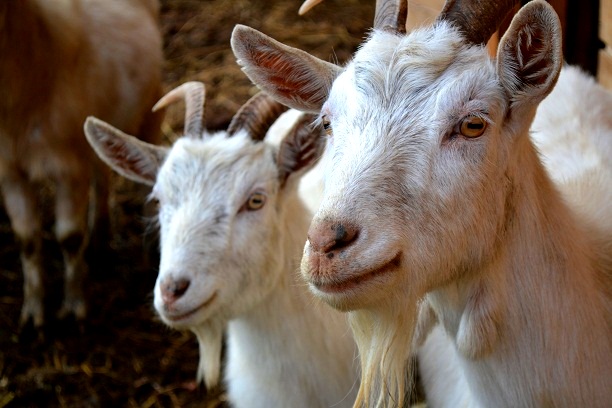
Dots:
(329, 236)
(173, 289)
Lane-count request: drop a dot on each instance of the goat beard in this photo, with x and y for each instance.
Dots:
(210, 341)
(384, 337)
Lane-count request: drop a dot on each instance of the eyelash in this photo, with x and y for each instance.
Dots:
(326, 125)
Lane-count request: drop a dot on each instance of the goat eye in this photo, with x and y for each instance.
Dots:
(326, 125)
(155, 201)
(256, 201)
(472, 126)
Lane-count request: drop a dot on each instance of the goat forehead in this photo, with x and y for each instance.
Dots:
(398, 75)
(401, 94)
(392, 106)
(392, 59)
(216, 166)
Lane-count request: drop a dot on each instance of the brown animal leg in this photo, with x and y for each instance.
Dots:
(71, 231)
(21, 205)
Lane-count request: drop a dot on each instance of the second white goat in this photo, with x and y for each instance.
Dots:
(232, 230)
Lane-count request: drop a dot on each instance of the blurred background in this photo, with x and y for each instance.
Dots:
(123, 356)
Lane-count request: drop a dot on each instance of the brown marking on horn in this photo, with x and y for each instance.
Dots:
(256, 116)
(193, 93)
(391, 15)
(477, 19)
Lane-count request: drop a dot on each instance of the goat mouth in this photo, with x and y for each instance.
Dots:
(184, 316)
(339, 286)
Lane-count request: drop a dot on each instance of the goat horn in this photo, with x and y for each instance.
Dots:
(193, 93)
(477, 19)
(391, 15)
(307, 5)
(256, 116)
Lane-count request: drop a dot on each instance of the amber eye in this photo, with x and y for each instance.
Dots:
(473, 126)
(256, 201)
(154, 200)
(326, 125)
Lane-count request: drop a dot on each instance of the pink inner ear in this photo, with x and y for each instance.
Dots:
(288, 77)
(119, 154)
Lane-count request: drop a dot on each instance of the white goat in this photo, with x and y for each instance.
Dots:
(232, 232)
(435, 191)
(55, 55)
(572, 130)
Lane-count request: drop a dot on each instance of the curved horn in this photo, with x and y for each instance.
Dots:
(477, 19)
(193, 93)
(256, 116)
(307, 5)
(391, 15)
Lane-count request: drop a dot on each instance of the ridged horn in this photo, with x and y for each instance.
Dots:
(256, 116)
(391, 15)
(193, 93)
(477, 19)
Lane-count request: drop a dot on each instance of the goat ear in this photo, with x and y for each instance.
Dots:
(127, 155)
(529, 57)
(293, 77)
(300, 149)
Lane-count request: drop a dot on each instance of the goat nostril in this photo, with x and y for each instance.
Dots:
(172, 289)
(344, 235)
(180, 287)
(327, 237)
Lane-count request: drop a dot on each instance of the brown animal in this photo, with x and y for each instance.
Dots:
(62, 61)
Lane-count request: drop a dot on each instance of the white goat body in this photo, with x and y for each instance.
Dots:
(232, 231)
(434, 191)
(55, 56)
(573, 131)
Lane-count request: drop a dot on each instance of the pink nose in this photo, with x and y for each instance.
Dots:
(328, 236)
(172, 289)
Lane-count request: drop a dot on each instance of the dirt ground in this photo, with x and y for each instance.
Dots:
(123, 356)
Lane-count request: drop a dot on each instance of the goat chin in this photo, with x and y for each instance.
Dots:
(210, 341)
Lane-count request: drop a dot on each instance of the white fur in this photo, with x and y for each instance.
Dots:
(516, 270)
(285, 349)
(574, 142)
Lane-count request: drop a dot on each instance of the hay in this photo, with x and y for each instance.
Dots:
(198, 34)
